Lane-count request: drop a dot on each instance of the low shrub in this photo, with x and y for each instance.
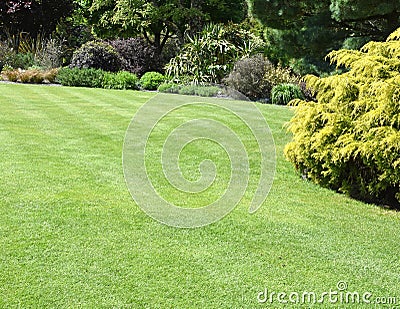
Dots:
(51, 75)
(282, 94)
(191, 89)
(276, 75)
(11, 74)
(151, 80)
(81, 77)
(97, 78)
(247, 77)
(166, 87)
(120, 80)
(256, 76)
(32, 77)
(207, 91)
(198, 90)
(37, 77)
(20, 61)
(169, 88)
(96, 55)
(187, 90)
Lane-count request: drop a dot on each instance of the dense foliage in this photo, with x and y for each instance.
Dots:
(209, 56)
(350, 139)
(197, 90)
(147, 34)
(96, 55)
(32, 76)
(256, 76)
(137, 55)
(282, 94)
(122, 80)
(97, 78)
(300, 33)
(151, 80)
(76, 77)
(158, 21)
(32, 16)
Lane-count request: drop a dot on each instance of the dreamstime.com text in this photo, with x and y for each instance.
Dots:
(339, 295)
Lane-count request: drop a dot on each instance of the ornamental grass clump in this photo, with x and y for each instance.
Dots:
(349, 140)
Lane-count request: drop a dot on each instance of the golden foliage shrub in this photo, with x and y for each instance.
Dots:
(349, 140)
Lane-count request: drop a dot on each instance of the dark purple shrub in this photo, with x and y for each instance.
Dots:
(137, 55)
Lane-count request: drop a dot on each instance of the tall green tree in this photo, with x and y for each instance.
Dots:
(302, 32)
(158, 20)
(372, 18)
(32, 16)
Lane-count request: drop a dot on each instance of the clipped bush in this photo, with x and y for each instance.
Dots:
(120, 80)
(282, 94)
(81, 77)
(151, 80)
(350, 139)
(96, 55)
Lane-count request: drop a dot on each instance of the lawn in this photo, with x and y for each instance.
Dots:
(72, 236)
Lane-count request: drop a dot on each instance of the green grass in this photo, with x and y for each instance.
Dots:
(71, 235)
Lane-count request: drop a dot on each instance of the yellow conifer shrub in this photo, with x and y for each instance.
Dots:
(349, 140)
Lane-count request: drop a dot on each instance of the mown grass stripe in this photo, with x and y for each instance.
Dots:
(71, 236)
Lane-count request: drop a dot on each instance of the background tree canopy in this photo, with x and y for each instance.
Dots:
(314, 28)
(158, 20)
(297, 33)
(38, 16)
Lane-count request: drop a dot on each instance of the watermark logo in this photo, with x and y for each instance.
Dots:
(341, 294)
(165, 126)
